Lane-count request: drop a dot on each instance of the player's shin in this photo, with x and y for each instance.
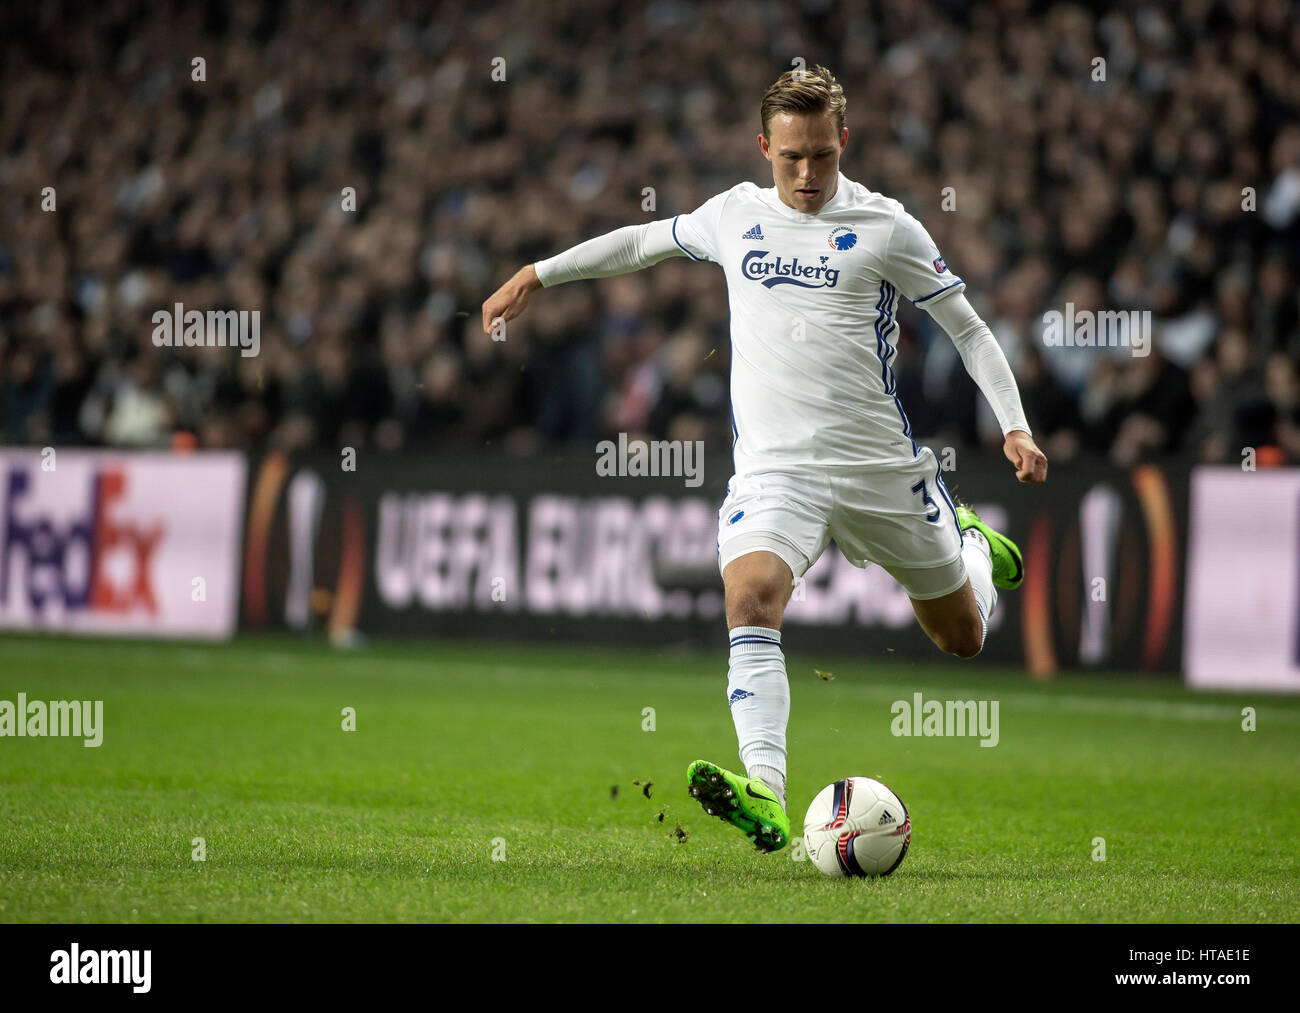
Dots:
(758, 693)
(979, 569)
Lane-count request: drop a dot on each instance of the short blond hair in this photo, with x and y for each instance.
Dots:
(814, 90)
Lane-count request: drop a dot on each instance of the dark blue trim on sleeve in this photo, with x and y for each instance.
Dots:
(678, 242)
(917, 302)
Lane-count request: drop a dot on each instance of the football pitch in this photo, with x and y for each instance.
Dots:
(490, 782)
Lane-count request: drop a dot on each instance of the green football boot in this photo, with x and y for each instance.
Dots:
(744, 802)
(1008, 567)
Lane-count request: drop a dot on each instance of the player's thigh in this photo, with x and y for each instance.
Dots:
(771, 529)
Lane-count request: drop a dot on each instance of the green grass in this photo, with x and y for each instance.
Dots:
(457, 745)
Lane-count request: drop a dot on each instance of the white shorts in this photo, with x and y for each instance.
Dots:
(900, 517)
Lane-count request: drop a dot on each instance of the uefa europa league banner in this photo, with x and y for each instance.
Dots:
(556, 548)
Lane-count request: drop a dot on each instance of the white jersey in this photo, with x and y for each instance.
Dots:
(814, 302)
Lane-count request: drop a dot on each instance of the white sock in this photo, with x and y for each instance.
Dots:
(758, 693)
(979, 568)
(771, 777)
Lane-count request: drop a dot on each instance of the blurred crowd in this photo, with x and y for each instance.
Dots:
(365, 174)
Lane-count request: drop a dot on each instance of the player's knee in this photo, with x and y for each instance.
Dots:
(758, 586)
(964, 640)
(757, 602)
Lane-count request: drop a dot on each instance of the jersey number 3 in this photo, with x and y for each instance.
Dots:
(932, 512)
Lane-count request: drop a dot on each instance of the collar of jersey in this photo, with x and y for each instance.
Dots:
(840, 199)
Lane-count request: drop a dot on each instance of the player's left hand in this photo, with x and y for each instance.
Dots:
(1023, 452)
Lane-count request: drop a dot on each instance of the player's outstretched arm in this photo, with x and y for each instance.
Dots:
(982, 356)
(619, 252)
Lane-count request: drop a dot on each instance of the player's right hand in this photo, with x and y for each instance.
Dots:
(1023, 452)
(509, 300)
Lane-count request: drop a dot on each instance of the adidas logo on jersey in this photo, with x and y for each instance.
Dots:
(887, 818)
(755, 233)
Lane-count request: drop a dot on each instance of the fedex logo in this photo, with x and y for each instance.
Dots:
(94, 560)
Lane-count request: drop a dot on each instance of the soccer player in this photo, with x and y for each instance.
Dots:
(815, 266)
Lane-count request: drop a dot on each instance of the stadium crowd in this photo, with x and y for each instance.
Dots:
(479, 137)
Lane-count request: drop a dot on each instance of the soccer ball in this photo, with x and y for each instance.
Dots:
(857, 827)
